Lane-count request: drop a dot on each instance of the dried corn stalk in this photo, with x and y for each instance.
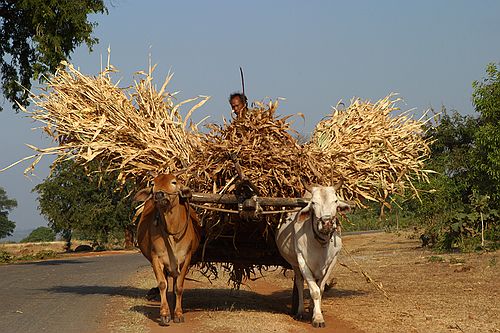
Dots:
(375, 153)
(134, 130)
(264, 147)
(139, 129)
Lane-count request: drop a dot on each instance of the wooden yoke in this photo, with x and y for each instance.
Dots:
(233, 199)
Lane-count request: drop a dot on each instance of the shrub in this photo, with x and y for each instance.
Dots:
(5, 257)
(40, 234)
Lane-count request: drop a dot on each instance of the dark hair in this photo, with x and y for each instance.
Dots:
(239, 95)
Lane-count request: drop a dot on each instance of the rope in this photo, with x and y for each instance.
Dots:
(368, 278)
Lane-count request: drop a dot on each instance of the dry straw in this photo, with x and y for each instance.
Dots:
(134, 130)
(138, 130)
(375, 152)
(262, 143)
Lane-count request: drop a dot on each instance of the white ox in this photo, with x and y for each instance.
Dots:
(310, 242)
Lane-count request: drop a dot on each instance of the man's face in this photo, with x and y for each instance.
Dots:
(237, 105)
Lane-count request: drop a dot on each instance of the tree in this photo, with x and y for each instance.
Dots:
(36, 35)
(451, 153)
(486, 99)
(40, 234)
(464, 212)
(6, 205)
(73, 199)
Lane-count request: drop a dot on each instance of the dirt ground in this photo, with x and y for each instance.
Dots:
(427, 292)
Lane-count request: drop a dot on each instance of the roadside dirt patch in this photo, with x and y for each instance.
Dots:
(20, 249)
(427, 292)
(23, 251)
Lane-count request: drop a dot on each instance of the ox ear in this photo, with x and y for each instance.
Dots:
(303, 214)
(343, 207)
(307, 186)
(142, 195)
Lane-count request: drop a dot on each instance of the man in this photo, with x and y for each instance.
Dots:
(239, 104)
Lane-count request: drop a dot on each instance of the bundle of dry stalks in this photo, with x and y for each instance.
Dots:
(262, 144)
(134, 130)
(137, 130)
(376, 154)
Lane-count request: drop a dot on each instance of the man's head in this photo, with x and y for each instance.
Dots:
(238, 103)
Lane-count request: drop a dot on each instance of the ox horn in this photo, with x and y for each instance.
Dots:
(152, 173)
(339, 184)
(307, 186)
(179, 172)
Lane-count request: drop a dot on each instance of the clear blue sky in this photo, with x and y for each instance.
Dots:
(313, 53)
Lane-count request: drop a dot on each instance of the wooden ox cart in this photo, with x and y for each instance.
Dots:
(246, 235)
(239, 228)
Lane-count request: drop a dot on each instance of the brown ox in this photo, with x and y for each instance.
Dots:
(168, 234)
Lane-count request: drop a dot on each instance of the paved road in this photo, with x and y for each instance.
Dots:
(64, 296)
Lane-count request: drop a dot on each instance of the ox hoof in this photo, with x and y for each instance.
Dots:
(318, 324)
(179, 319)
(164, 320)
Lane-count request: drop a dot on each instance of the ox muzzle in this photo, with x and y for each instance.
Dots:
(164, 199)
(327, 224)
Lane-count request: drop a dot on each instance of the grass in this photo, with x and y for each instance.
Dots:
(457, 261)
(14, 252)
(492, 262)
(436, 259)
(364, 219)
(7, 258)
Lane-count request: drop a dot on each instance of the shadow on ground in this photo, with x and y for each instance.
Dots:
(200, 300)
(82, 290)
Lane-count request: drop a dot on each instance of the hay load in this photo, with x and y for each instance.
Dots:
(262, 143)
(140, 129)
(133, 131)
(375, 153)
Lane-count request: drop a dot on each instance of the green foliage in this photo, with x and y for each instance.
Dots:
(486, 99)
(36, 35)
(91, 206)
(463, 212)
(40, 234)
(450, 158)
(371, 218)
(363, 219)
(41, 255)
(6, 257)
(6, 205)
